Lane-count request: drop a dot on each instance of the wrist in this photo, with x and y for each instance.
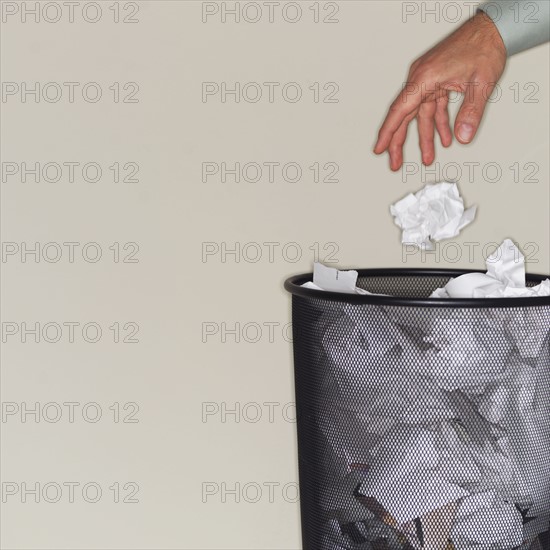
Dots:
(489, 32)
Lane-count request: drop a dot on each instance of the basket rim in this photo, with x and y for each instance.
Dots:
(293, 285)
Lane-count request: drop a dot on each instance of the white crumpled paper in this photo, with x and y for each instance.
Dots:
(435, 212)
(507, 265)
(451, 360)
(334, 280)
(479, 512)
(447, 428)
(505, 278)
(403, 477)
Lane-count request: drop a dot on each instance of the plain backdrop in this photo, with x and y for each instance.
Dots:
(191, 331)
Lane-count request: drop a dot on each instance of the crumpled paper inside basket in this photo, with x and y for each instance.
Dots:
(505, 278)
(432, 413)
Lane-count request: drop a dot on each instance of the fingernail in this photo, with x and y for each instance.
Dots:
(465, 132)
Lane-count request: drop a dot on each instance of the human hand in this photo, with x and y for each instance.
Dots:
(471, 61)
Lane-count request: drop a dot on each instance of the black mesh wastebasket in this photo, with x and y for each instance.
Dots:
(423, 423)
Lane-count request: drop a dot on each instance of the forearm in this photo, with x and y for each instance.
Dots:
(522, 24)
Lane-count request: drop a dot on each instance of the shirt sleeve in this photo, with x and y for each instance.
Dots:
(522, 24)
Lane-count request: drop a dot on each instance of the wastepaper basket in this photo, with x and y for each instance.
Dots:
(422, 422)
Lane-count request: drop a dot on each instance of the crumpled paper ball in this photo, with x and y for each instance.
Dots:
(435, 212)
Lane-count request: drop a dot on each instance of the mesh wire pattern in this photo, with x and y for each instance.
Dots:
(422, 427)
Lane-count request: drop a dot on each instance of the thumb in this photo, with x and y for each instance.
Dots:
(471, 111)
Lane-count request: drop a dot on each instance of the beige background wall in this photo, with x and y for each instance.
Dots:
(171, 444)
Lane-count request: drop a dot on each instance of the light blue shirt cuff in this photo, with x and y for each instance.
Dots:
(522, 24)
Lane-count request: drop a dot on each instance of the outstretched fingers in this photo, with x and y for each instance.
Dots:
(406, 103)
(442, 121)
(395, 147)
(425, 121)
